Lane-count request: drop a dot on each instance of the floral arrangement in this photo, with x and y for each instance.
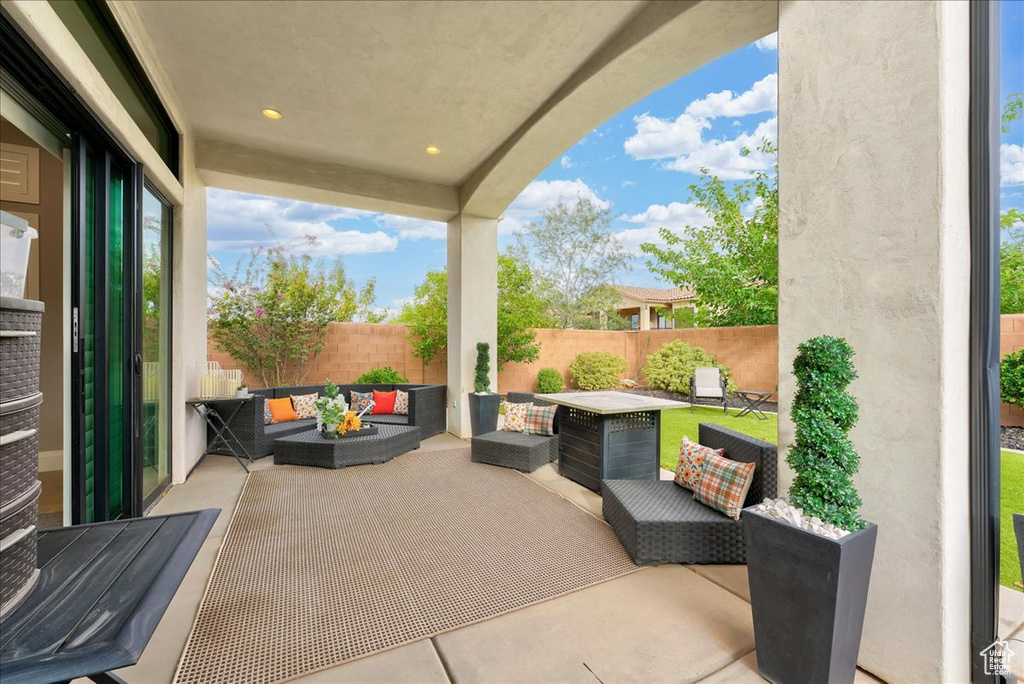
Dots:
(331, 409)
(351, 422)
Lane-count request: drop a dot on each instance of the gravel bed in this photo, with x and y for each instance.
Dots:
(1012, 438)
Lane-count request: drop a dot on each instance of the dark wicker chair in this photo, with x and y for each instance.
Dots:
(516, 450)
(427, 411)
(660, 522)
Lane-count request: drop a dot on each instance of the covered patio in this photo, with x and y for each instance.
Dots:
(874, 234)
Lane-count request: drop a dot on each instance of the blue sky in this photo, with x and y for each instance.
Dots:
(1011, 80)
(639, 164)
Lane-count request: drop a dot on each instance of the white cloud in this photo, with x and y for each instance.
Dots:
(413, 228)
(769, 43)
(725, 158)
(1011, 164)
(240, 222)
(674, 216)
(628, 183)
(566, 162)
(763, 96)
(660, 138)
(540, 195)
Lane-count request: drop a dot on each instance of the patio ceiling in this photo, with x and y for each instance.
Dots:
(366, 87)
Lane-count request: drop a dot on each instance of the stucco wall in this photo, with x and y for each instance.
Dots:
(873, 247)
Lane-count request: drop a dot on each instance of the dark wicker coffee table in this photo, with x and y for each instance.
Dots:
(312, 449)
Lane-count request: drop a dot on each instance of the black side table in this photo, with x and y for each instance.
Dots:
(208, 411)
(753, 400)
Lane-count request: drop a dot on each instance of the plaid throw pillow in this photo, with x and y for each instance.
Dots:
(305, 405)
(268, 417)
(360, 400)
(691, 458)
(515, 417)
(540, 420)
(723, 484)
(401, 403)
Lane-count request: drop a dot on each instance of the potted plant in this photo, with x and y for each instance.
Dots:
(483, 404)
(242, 392)
(331, 409)
(809, 559)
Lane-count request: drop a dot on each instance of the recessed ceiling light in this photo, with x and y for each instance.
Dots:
(271, 113)
(433, 149)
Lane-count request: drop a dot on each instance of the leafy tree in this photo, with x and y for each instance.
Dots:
(672, 367)
(1012, 110)
(519, 310)
(272, 316)
(573, 253)
(1011, 273)
(733, 264)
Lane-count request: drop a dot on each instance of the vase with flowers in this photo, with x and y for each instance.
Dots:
(331, 410)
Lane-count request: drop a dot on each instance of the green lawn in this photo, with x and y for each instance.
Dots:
(1011, 475)
(677, 423)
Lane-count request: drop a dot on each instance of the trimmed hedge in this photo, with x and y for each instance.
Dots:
(597, 370)
(549, 381)
(381, 376)
(671, 367)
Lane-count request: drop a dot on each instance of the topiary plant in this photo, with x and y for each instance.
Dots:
(482, 382)
(671, 367)
(1011, 378)
(381, 376)
(597, 370)
(823, 457)
(549, 381)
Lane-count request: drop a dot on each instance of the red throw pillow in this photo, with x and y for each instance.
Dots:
(383, 402)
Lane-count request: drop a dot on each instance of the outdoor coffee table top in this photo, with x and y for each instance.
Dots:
(609, 403)
(314, 439)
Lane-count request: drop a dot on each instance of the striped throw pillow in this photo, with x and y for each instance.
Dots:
(723, 484)
(540, 420)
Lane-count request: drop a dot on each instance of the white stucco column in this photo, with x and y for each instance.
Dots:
(645, 316)
(472, 309)
(873, 247)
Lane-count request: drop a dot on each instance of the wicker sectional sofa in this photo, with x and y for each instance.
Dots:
(660, 522)
(427, 411)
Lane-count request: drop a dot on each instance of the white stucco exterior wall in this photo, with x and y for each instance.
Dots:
(472, 310)
(873, 247)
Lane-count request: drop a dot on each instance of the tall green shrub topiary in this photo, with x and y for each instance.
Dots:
(482, 382)
(597, 370)
(823, 457)
(549, 381)
(1011, 378)
(671, 367)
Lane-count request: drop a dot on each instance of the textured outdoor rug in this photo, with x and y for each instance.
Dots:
(324, 566)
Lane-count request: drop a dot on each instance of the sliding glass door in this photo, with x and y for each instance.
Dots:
(103, 354)
(156, 305)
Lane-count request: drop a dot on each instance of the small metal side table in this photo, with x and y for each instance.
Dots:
(753, 400)
(210, 410)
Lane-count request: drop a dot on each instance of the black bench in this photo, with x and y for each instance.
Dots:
(661, 522)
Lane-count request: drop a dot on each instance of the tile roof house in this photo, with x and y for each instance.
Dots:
(652, 307)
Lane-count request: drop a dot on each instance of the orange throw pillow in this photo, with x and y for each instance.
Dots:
(282, 410)
(383, 402)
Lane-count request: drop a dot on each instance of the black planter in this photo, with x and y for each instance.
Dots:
(483, 412)
(808, 596)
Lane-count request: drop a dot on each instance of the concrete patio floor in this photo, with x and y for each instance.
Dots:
(671, 623)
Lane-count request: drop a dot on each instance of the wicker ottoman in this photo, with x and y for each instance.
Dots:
(514, 450)
(311, 449)
(659, 522)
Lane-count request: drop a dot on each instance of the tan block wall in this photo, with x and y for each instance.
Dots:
(1011, 338)
(752, 354)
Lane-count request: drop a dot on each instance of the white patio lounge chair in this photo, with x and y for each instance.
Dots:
(707, 383)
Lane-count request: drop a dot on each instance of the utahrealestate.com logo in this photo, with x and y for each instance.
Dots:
(997, 658)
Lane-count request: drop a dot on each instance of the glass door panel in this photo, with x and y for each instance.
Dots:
(156, 226)
(116, 351)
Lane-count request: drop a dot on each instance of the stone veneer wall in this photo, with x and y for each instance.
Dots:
(752, 353)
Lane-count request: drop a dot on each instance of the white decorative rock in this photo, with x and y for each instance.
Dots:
(780, 509)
